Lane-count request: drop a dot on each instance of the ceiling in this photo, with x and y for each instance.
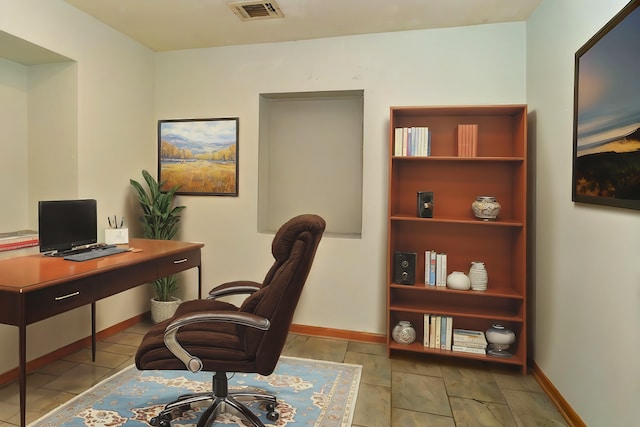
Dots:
(164, 25)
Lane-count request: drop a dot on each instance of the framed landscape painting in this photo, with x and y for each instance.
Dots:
(606, 131)
(199, 155)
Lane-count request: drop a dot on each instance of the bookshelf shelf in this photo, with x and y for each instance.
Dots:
(419, 348)
(498, 169)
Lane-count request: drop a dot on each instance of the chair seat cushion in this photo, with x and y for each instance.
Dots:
(215, 343)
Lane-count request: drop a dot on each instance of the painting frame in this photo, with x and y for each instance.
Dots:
(606, 114)
(200, 156)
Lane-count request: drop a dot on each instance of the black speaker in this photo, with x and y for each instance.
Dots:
(425, 204)
(404, 268)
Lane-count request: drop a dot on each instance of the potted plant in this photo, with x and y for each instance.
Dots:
(160, 220)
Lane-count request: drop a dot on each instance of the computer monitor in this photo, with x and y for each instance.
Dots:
(66, 224)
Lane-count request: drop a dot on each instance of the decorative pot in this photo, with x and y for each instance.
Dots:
(458, 280)
(499, 339)
(163, 310)
(478, 276)
(485, 208)
(403, 333)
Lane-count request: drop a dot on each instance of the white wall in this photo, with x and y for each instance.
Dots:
(112, 116)
(346, 288)
(587, 275)
(13, 146)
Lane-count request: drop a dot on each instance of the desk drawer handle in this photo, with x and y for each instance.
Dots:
(67, 296)
(180, 261)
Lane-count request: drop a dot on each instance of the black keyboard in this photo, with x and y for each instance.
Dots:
(95, 253)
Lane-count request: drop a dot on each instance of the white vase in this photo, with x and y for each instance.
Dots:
(163, 310)
(478, 276)
(499, 339)
(458, 280)
(403, 333)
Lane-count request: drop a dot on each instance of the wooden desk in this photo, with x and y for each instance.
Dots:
(36, 287)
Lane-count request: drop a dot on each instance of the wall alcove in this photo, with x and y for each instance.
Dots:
(39, 104)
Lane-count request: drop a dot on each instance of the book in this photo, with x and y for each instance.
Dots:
(427, 266)
(439, 271)
(432, 332)
(436, 341)
(432, 269)
(443, 332)
(18, 239)
(18, 245)
(465, 349)
(469, 336)
(18, 236)
(469, 344)
(449, 333)
(426, 326)
(397, 142)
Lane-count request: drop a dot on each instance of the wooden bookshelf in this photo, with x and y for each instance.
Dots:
(498, 169)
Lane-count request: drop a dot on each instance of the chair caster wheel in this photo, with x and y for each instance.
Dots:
(273, 416)
(160, 422)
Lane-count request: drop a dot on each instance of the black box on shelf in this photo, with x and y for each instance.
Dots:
(404, 268)
(425, 204)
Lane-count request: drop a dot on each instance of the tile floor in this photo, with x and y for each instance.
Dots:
(404, 391)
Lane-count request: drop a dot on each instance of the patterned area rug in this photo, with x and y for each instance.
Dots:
(309, 393)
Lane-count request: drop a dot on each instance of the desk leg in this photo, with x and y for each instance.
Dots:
(22, 362)
(200, 281)
(93, 331)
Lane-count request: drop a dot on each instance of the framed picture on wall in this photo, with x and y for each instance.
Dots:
(199, 155)
(606, 131)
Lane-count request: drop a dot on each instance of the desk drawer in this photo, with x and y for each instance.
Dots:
(174, 264)
(57, 299)
(120, 280)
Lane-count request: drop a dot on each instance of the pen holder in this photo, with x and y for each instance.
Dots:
(116, 236)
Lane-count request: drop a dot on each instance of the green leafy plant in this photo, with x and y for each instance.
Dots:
(160, 220)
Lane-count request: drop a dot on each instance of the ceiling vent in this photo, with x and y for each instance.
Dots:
(252, 10)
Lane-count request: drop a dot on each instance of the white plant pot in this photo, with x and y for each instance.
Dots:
(163, 310)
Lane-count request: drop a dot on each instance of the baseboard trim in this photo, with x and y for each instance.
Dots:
(567, 412)
(570, 416)
(338, 333)
(41, 361)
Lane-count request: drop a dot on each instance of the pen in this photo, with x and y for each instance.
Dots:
(115, 221)
(121, 222)
(109, 219)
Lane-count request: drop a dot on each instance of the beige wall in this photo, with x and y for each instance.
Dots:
(13, 147)
(587, 283)
(107, 107)
(472, 65)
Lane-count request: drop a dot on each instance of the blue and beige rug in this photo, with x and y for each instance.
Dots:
(309, 393)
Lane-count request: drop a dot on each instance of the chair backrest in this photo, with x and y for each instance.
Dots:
(294, 247)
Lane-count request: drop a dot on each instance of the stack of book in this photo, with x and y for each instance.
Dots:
(18, 239)
(438, 331)
(412, 141)
(469, 341)
(467, 140)
(435, 268)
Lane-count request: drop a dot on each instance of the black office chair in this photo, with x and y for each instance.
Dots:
(217, 336)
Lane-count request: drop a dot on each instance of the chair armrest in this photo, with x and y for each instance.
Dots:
(234, 288)
(192, 363)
